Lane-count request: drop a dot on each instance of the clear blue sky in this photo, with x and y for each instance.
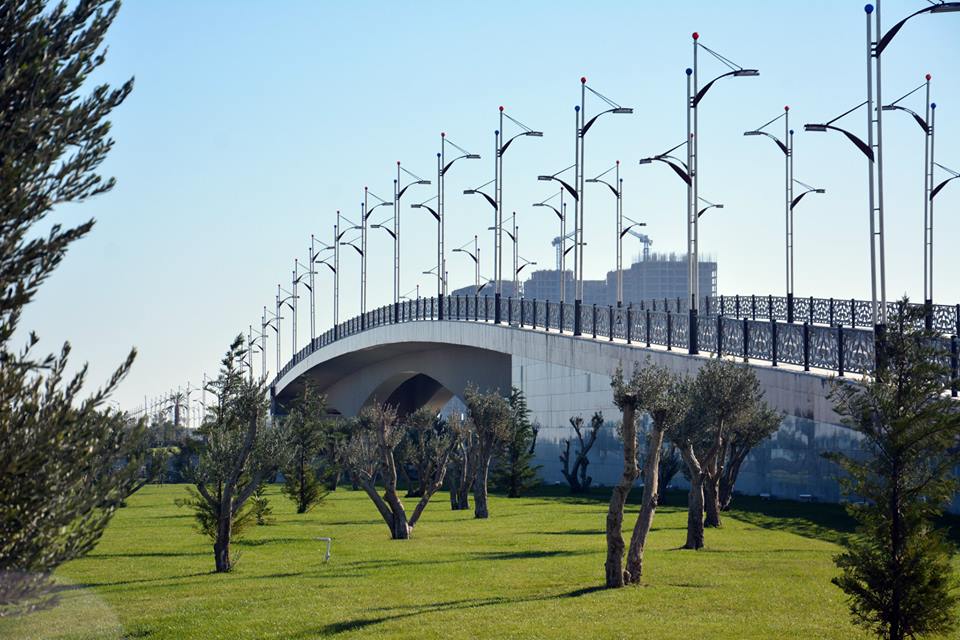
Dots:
(252, 122)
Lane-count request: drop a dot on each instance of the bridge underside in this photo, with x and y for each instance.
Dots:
(408, 375)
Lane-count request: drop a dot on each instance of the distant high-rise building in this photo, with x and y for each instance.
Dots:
(657, 276)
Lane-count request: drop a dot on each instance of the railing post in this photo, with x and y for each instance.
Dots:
(753, 306)
(770, 305)
(486, 308)
(509, 310)
(840, 350)
(648, 327)
(773, 340)
(458, 307)
(534, 313)
(722, 306)
(669, 331)
(953, 366)
(629, 322)
(853, 313)
(806, 346)
(432, 308)
(594, 317)
(789, 306)
(576, 317)
(521, 312)
(810, 310)
(720, 332)
(496, 309)
(476, 307)
(746, 340)
(610, 327)
(693, 339)
(560, 311)
(737, 309)
(546, 319)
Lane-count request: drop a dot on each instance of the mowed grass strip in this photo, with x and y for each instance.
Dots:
(533, 570)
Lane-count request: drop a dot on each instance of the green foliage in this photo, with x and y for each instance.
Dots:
(238, 452)
(65, 460)
(260, 506)
(514, 471)
(307, 434)
(206, 515)
(896, 571)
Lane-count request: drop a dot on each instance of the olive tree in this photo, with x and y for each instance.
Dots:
(576, 474)
(490, 418)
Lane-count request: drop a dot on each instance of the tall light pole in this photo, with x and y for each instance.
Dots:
(624, 231)
(283, 297)
(875, 133)
(367, 211)
(442, 167)
(478, 191)
(926, 124)
(436, 216)
(351, 243)
(566, 186)
(398, 192)
(786, 146)
(297, 278)
(475, 256)
(696, 93)
(562, 251)
(583, 126)
(316, 257)
(500, 136)
(617, 189)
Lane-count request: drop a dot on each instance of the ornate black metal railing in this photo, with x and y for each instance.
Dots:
(757, 334)
(832, 312)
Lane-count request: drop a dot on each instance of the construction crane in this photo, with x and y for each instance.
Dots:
(645, 239)
(559, 243)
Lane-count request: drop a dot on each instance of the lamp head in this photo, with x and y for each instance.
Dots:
(819, 190)
(888, 107)
(468, 192)
(473, 156)
(646, 160)
(814, 127)
(423, 182)
(623, 110)
(545, 178)
(592, 180)
(946, 7)
(534, 134)
(752, 133)
(739, 73)
(718, 206)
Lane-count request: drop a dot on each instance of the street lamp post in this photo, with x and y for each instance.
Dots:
(583, 125)
(499, 135)
(562, 251)
(315, 259)
(875, 132)
(478, 191)
(352, 243)
(563, 216)
(926, 124)
(617, 189)
(365, 217)
(281, 300)
(624, 231)
(786, 146)
(476, 262)
(442, 167)
(696, 93)
(398, 192)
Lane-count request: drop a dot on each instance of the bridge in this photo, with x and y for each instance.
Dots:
(413, 355)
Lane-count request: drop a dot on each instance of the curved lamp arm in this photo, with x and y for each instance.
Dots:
(564, 184)
(860, 144)
(940, 186)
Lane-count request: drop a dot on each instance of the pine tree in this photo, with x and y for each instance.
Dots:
(897, 570)
(514, 471)
(306, 430)
(67, 461)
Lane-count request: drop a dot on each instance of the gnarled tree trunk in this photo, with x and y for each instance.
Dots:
(480, 490)
(615, 547)
(694, 501)
(711, 500)
(651, 490)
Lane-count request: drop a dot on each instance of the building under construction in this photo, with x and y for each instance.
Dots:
(654, 276)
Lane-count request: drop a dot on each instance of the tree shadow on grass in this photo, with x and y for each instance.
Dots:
(410, 611)
(147, 554)
(460, 559)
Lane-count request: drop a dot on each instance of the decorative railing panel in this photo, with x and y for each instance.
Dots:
(809, 342)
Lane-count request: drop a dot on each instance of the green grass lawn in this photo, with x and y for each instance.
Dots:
(533, 570)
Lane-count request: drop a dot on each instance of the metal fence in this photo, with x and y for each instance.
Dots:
(747, 327)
